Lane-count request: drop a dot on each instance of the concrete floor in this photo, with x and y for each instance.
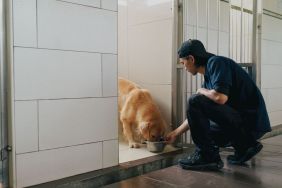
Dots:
(264, 170)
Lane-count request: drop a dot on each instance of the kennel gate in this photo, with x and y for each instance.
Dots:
(240, 30)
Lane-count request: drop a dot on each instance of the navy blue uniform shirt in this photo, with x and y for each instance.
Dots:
(225, 76)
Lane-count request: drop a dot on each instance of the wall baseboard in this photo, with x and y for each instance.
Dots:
(276, 130)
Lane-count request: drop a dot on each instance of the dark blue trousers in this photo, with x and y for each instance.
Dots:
(203, 114)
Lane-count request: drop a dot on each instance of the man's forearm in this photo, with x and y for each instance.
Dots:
(218, 98)
(182, 128)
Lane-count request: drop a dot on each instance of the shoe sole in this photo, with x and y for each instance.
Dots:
(248, 156)
(210, 166)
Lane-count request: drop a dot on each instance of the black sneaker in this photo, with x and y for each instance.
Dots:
(241, 158)
(196, 161)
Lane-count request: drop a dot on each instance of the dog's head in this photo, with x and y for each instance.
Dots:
(152, 131)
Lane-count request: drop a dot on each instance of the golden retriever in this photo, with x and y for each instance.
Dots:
(139, 114)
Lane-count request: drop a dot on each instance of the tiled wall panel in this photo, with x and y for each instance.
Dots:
(44, 166)
(92, 30)
(26, 126)
(76, 121)
(65, 88)
(24, 16)
(53, 74)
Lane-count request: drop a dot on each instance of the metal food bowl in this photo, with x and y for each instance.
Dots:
(155, 146)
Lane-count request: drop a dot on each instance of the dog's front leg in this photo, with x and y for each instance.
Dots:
(129, 135)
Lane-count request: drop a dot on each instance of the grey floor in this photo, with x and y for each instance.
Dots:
(264, 170)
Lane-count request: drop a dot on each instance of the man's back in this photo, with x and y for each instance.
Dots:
(226, 76)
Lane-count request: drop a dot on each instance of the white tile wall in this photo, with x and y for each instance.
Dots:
(202, 35)
(26, 126)
(162, 97)
(236, 2)
(246, 3)
(275, 118)
(94, 3)
(149, 50)
(148, 11)
(194, 83)
(110, 153)
(264, 93)
(271, 76)
(40, 167)
(24, 16)
(49, 74)
(273, 5)
(202, 13)
(110, 4)
(192, 12)
(76, 121)
(271, 68)
(271, 52)
(61, 64)
(199, 81)
(272, 28)
(274, 102)
(213, 12)
(188, 82)
(223, 44)
(224, 16)
(212, 44)
(109, 63)
(123, 41)
(93, 30)
(190, 32)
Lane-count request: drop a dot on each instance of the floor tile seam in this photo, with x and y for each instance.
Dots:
(208, 174)
(270, 144)
(269, 160)
(145, 176)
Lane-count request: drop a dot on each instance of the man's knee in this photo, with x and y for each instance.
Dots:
(197, 99)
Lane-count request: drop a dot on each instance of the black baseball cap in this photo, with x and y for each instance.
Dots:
(193, 47)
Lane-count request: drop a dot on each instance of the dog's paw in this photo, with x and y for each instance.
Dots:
(134, 145)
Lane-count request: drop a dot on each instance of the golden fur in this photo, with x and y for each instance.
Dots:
(139, 114)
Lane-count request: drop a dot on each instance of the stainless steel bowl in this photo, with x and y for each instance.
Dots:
(156, 146)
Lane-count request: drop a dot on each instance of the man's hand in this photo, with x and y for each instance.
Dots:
(201, 91)
(171, 137)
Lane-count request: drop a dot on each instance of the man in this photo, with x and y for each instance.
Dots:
(228, 109)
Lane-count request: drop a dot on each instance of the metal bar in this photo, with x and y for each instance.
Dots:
(3, 93)
(175, 35)
(256, 44)
(218, 25)
(231, 34)
(197, 36)
(230, 30)
(197, 18)
(208, 12)
(236, 35)
(241, 33)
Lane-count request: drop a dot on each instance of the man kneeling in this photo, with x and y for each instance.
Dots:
(230, 100)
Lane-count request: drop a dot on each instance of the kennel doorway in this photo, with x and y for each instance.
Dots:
(226, 27)
(145, 56)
